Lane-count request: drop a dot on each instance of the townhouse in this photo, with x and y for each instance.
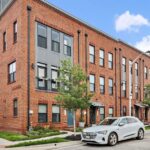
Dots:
(34, 37)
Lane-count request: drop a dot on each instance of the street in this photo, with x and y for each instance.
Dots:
(77, 145)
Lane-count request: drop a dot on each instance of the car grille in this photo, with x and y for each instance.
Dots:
(89, 135)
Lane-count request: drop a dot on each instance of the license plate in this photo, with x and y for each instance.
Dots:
(87, 137)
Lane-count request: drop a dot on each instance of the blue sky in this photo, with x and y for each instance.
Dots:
(128, 20)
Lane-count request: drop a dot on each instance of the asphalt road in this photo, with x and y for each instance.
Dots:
(125, 145)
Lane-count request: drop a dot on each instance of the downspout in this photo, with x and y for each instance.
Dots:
(28, 69)
(120, 60)
(79, 46)
(86, 70)
(116, 83)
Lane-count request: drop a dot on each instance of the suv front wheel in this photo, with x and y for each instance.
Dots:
(112, 139)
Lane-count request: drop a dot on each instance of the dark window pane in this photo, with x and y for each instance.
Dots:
(55, 46)
(42, 41)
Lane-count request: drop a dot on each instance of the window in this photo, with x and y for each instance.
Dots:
(67, 45)
(55, 41)
(136, 91)
(92, 54)
(111, 112)
(4, 41)
(41, 76)
(124, 64)
(124, 121)
(101, 57)
(131, 120)
(42, 115)
(102, 85)
(15, 107)
(136, 81)
(131, 68)
(136, 69)
(124, 88)
(55, 113)
(145, 73)
(102, 113)
(15, 31)
(42, 36)
(131, 72)
(55, 74)
(110, 86)
(92, 83)
(124, 110)
(110, 61)
(12, 72)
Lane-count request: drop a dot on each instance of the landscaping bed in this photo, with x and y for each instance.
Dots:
(37, 132)
(147, 128)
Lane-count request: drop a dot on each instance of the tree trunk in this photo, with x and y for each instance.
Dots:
(74, 122)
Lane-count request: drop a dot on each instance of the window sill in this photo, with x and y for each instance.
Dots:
(9, 83)
(46, 91)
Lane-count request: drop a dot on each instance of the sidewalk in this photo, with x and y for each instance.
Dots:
(4, 142)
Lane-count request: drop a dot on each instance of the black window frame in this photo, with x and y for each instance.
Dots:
(55, 42)
(145, 72)
(57, 115)
(42, 66)
(110, 62)
(93, 84)
(124, 91)
(53, 68)
(91, 55)
(101, 58)
(101, 85)
(67, 46)
(102, 116)
(111, 88)
(111, 115)
(45, 120)
(15, 107)
(124, 111)
(124, 66)
(40, 37)
(15, 31)
(11, 75)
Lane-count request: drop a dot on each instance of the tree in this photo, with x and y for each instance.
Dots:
(147, 95)
(73, 88)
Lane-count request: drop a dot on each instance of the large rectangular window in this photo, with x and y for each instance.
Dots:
(92, 54)
(110, 86)
(15, 107)
(111, 112)
(12, 72)
(124, 64)
(124, 110)
(4, 41)
(67, 45)
(102, 113)
(92, 83)
(55, 41)
(55, 113)
(42, 113)
(124, 92)
(110, 60)
(101, 57)
(42, 76)
(145, 73)
(54, 76)
(136, 81)
(124, 80)
(42, 36)
(102, 85)
(15, 31)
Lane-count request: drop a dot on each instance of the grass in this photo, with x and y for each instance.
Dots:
(54, 140)
(35, 134)
(147, 128)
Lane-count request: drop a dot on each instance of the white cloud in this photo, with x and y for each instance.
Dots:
(130, 22)
(144, 44)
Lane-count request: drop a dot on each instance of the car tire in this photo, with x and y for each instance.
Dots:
(112, 139)
(140, 134)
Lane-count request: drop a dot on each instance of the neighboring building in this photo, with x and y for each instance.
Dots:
(34, 37)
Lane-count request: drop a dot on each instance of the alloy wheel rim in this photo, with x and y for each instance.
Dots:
(113, 139)
(141, 134)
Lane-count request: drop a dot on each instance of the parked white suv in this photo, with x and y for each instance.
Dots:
(113, 129)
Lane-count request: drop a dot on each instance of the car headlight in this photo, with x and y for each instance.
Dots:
(102, 132)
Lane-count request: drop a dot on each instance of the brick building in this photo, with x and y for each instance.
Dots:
(34, 37)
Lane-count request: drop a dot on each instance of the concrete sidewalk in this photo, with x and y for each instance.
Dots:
(4, 142)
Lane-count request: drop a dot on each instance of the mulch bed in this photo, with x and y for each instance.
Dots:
(74, 138)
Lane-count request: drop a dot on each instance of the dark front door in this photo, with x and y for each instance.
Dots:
(92, 115)
(70, 118)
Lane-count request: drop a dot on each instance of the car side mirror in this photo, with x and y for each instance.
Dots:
(121, 124)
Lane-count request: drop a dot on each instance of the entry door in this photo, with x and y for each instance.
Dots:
(92, 115)
(70, 118)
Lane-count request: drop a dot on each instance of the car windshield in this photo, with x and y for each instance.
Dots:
(109, 121)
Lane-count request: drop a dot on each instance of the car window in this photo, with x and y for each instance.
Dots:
(131, 120)
(109, 121)
(124, 121)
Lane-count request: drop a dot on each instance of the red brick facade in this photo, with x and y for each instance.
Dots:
(52, 17)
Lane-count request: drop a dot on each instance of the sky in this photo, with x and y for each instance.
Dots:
(128, 20)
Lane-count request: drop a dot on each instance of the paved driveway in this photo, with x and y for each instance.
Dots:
(126, 145)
